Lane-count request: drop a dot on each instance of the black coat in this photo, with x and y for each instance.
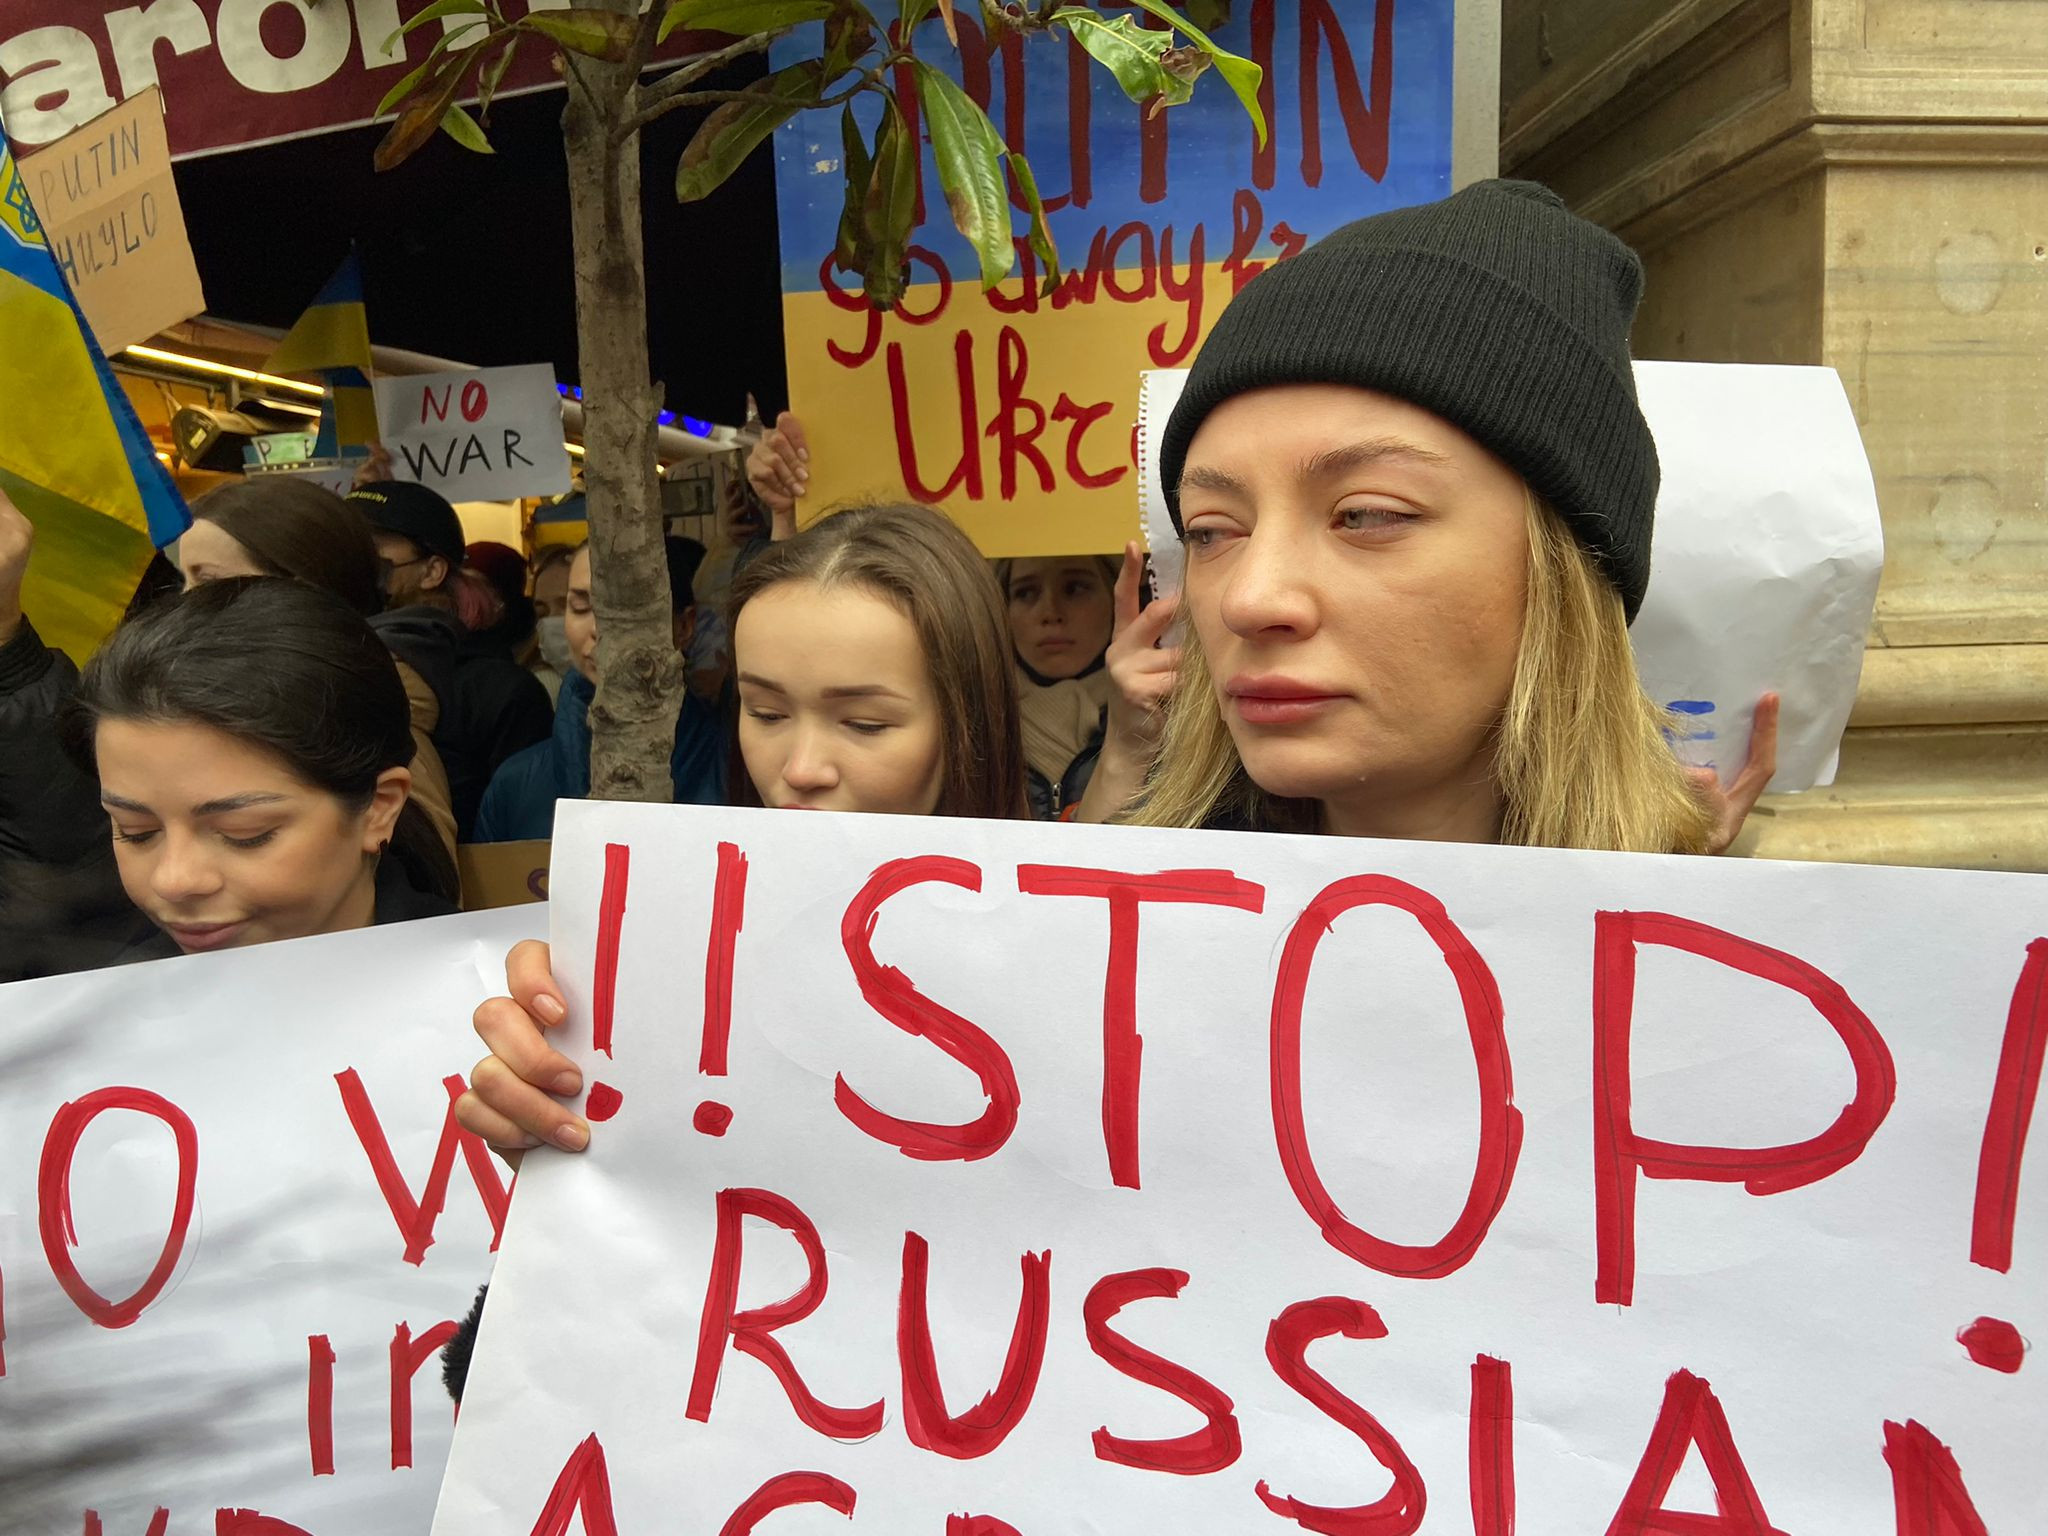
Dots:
(61, 903)
(491, 707)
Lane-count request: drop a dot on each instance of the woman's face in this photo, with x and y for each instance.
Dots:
(579, 619)
(1356, 576)
(551, 589)
(206, 552)
(222, 845)
(837, 711)
(1061, 613)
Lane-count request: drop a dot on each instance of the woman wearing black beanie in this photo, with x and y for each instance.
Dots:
(1416, 492)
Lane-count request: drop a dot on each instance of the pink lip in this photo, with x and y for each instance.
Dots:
(795, 807)
(195, 938)
(1276, 700)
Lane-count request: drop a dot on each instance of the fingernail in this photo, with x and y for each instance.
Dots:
(569, 1082)
(572, 1138)
(804, 455)
(529, 1140)
(549, 1008)
(803, 477)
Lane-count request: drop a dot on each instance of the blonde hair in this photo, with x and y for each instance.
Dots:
(1582, 757)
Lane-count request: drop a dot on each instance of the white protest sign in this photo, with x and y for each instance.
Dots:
(491, 435)
(236, 1226)
(1763, 568)
(974, 1178)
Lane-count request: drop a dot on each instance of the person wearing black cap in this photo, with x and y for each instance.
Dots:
(489, 707)
(1416, 492)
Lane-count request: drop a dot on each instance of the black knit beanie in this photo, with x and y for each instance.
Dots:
(1495, 309)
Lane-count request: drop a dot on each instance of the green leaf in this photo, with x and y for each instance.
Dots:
(970, 159)
(741, 18)
(731, 133)
(419, 121)
(1128, 51)
(1213, 14)
(435, 12)
(405, 87)
(494, 76)
(583, 29)
(910, 14)
(428, 76)
(890, 211)
(462, 128)
(1041, 233)
(1240, 74)
(859, 169)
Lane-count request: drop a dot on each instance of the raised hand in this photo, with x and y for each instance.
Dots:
(1144, 672)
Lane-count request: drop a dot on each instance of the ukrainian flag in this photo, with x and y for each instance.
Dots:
(73, 455)
(332, 339)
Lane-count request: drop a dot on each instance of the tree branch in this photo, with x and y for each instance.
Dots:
(643, 43)
(672, 89)
(576, 80)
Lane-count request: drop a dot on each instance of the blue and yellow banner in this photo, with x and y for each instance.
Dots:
(1015, 409)
(73, 455)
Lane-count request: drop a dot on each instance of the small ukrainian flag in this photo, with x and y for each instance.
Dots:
(73, 454)
(332, 339)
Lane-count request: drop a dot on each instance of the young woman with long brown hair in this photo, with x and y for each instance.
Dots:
(874, 673)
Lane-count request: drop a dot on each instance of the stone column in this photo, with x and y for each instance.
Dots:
(1860, 183)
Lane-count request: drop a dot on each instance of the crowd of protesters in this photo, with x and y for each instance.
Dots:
(1415, 493)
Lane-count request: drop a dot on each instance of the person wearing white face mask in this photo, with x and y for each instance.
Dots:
(551, 607)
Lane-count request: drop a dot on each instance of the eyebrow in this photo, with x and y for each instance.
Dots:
(1333, 461)
(850, 691)
(220, 807)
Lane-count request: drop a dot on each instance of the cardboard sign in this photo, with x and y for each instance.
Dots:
(973, 1178)
(491, 435)
(1763, 568)
(1013, 408)
(237, 1224)
(110, 212)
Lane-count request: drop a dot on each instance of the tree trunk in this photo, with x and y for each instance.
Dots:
(633, 720)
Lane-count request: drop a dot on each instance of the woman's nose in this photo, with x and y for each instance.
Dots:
(184, 870)
(1269, 588)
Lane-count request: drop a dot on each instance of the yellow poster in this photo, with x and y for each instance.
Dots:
(1016, 409)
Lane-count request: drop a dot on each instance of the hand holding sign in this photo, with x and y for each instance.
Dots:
(779, 470)
(509, 1103)
(1731, 806)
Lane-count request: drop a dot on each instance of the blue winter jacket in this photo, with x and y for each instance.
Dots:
(520, 802)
